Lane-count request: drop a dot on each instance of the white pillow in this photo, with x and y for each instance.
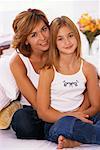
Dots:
(4, 100)
(7, 80)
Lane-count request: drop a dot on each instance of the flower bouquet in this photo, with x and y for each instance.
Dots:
(90, 27)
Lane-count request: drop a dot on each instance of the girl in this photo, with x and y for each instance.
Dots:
(62, 84)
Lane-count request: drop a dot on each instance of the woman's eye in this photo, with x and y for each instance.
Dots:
(34, 35)
(44, 29)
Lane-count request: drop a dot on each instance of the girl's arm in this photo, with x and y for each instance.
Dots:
(92, 88)
(24, 84)
(45, 111)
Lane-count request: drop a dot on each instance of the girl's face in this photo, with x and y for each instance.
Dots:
(39, 38)
(66, 41)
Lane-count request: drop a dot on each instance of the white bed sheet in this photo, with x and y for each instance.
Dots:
(8, 141)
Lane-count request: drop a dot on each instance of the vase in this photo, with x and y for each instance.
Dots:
(94, 49)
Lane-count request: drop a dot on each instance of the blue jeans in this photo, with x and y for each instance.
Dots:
(73, 128)
(27, 125)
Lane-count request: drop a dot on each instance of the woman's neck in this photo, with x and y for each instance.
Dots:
(35, 58)
(38, 61)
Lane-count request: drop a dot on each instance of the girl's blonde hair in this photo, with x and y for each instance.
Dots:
(56, 24)
(23, 25)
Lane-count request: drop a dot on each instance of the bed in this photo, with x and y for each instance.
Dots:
(8, 140)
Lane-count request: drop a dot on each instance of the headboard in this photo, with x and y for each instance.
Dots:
(4, 47)
(5, 41)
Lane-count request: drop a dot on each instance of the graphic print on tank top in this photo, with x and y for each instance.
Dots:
(70, 84)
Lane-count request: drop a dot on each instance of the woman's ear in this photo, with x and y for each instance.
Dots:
(26, 42)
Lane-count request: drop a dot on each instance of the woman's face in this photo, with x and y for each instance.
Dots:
(39, 38)
(66, 41)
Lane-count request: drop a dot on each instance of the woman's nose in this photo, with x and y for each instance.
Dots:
(41, 36)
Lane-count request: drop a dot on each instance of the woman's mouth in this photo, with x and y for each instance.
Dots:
(44, 43)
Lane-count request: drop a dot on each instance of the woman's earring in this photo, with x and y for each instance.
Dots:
(26, 43)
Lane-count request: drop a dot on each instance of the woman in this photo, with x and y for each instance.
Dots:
(31, 40)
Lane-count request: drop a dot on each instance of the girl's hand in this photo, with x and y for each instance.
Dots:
(82, 116)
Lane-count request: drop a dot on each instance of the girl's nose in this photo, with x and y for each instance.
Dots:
(67, 41)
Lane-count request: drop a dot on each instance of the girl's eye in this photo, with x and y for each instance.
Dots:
(59, 39)
(71, 35)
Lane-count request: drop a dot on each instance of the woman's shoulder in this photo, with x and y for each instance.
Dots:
(16, 62)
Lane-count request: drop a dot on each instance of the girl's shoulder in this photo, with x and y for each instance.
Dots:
(88, 68)
(87, 64)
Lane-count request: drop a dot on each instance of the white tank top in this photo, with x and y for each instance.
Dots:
(8, 83)
(67, 90)
(33, 76)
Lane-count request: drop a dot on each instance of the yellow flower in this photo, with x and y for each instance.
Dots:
(98, 23)
(85, 19)
(89, 26)
(93, 26)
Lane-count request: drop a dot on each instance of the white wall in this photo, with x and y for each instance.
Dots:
(52, 8)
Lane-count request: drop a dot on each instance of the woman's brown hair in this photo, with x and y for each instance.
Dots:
(23, 25)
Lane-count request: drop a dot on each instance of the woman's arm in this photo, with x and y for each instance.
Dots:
(93, 89)
(86, 103)
(25, 86)
(45, 111)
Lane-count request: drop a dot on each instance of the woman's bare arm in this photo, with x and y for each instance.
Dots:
(25, 86)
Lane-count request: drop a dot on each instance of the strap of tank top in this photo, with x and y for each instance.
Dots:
(27, 63)
(23, 58)
(54, 68)
(81, 65)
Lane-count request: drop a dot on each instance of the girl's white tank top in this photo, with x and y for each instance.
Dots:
(67, 90)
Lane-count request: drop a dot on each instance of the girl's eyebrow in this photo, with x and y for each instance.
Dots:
(71, 32)
(68, 33)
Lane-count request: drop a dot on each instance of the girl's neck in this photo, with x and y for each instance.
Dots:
(69, 65)
(68, 61)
